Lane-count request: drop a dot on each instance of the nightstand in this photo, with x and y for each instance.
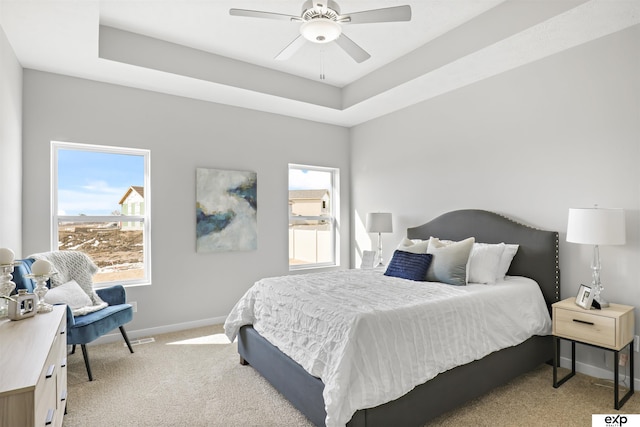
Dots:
(611, 328)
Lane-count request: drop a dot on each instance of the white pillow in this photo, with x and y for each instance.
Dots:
(415, 246)
(69, 293)
(484, 261)
(505, 260)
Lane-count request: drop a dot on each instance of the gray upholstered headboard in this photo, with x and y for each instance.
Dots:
(537, 256)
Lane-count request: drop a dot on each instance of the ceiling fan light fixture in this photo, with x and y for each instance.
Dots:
(320, 30)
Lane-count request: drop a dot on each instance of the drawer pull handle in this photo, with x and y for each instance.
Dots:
(49, 419)
(583, 322)
(50, 371)
(64, 363)
(63, 396)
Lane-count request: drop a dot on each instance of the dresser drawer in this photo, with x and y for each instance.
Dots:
(45, 414)
(46, 393)
(585, 327)
(61, 344)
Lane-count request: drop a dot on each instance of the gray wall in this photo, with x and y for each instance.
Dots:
(531, 143)
(183, 134)
(10, 146)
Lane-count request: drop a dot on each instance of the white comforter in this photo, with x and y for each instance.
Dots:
(373, 338)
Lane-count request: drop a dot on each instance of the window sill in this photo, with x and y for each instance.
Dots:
(313, 268)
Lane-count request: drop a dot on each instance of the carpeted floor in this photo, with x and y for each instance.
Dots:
(193, 378)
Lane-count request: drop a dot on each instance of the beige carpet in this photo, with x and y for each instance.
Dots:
(193, 378)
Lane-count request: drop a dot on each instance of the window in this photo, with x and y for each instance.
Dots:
(100, 205)
(313, 222)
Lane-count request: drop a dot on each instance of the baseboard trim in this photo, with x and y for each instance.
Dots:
(141, 333)
(594, 371)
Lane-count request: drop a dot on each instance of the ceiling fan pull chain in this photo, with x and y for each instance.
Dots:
(321, 63)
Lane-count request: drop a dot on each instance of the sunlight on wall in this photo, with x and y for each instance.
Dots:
(363, 240)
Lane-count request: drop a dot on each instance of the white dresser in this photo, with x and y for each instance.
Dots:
(33, 370)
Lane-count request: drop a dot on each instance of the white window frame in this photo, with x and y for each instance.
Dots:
(334, 218)
(144, 218)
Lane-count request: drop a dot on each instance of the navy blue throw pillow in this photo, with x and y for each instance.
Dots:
(407, 265)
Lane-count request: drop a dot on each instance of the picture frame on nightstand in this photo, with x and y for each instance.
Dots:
(368, 259)
(585, 297)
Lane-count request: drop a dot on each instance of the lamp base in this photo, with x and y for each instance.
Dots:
(380, 263)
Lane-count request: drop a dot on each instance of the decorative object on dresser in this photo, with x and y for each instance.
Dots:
(41, 273)
(379, 222)
(33, 390)
(611, 328)
(7, 264)
(103, 309)
(23, 305)
(596, 226)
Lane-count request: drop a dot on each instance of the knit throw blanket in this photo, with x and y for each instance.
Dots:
(78, 266)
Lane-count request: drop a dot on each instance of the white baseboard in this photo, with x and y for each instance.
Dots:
(141, 333)
(594, 371)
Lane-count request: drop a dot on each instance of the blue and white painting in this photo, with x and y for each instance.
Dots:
(226, 210)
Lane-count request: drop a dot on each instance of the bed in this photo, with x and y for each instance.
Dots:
(536, 259)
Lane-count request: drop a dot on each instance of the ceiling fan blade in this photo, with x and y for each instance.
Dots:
(389, 14)
(291, 48)
(266, 15)
(353, 50)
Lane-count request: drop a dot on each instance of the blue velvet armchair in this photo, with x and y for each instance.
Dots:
(84, 329)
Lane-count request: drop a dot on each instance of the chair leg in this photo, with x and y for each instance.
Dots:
(73, 349)
(126, 338)
(86, 360)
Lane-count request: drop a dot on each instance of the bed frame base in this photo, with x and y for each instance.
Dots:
(287, 376)
(443, 393)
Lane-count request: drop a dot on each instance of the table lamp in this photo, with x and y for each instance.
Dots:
(596, 226)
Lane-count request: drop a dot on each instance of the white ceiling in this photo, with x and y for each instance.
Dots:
(216, 57)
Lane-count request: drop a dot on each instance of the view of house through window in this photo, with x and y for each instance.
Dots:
(101, 207)
(312, 216)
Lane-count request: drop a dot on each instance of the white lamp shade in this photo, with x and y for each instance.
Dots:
(596, 226)
(320, 30)
(379, 222)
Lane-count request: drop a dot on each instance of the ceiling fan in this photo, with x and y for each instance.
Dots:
(322, 23)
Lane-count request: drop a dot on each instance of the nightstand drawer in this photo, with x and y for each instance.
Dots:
(585, 327)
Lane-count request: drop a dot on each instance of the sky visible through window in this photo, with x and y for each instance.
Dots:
(305, 179)
(92, 183)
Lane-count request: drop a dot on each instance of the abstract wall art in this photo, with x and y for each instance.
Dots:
(226, 210)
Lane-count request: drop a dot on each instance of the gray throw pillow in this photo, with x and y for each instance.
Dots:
(449, 263)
